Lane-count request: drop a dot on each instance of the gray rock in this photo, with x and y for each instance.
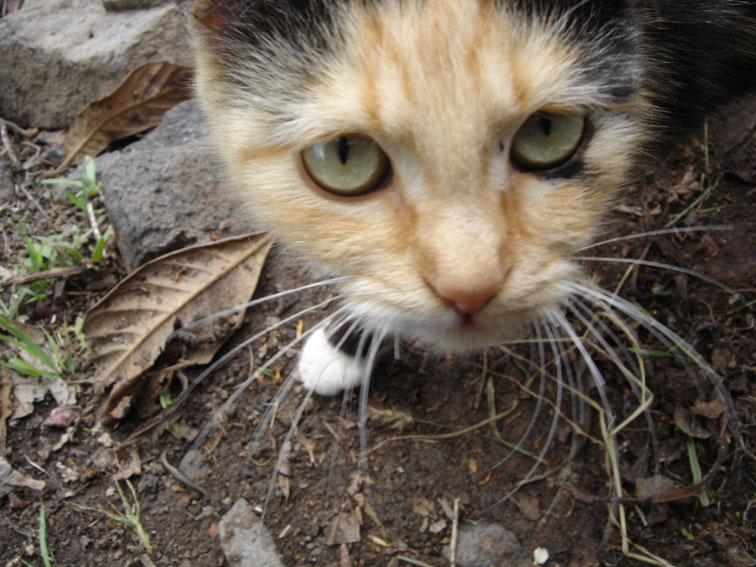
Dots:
(57, 56)
(246, 542)
(485, 545)
(5, 470)
(164, 192)
(6, 184)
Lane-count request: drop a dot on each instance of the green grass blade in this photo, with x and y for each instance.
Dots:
(61, 181)
(695, 469)
(28, 344)
(24, 367)
(52, 343)
(43, 551)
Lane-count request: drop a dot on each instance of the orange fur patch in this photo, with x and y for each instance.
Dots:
(442, 86)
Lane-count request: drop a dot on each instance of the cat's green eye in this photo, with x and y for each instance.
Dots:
(547, 140)
(347, 165)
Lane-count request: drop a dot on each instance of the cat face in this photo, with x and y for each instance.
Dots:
(447, 158)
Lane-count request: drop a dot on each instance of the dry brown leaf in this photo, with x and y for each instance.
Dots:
(133, 468)
(645, 488)
(136, 105)
(129, 327)
(344, 527)
(12, 478)
(155, 383)
(710, 410)
(687, 423)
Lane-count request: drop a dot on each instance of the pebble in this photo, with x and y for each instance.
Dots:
(484, 545)
(6, 184)
(245, 540)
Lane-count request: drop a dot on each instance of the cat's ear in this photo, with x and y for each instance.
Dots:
(212, 23)
(211, 15)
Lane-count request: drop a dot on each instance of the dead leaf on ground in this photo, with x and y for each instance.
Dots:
(344, 527)
(529, 506)
(686, 421)
(129, 327)
(423, 506)
(710, 410)
(645, 488)
(10, 478)
(136, 105)
(132, 468)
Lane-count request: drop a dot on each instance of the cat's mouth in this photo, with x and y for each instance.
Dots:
(466, 321)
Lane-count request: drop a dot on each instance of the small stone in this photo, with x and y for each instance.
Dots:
(483, 545)
(246, 542)
(6, 184)
(540, 555)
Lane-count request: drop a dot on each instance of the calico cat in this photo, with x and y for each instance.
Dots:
(446, 160)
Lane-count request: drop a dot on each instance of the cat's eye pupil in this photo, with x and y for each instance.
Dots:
(544, 123)
(343, 150)
(347, 164)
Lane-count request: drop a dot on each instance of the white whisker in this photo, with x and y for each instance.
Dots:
(377, 339)
(606, 419)
(577, 406)
(549, 437)
(606, 330)
(243, 306)
(346, 397)
(336, 326)
(637, 384)
(657, 233)
(645, 321)
(598, 379)
(677, 344)
(221, 411)
(663, 266)
(642, 393)
(282, 453)
(539, 401)
(608, 349)
(176, 404)
(288, 382)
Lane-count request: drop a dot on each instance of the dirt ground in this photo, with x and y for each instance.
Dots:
(423, 452)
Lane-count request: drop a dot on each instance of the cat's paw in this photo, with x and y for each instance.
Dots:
(326, 370)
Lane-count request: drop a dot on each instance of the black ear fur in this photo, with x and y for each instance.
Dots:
(700, 55)
(252, 20)
(214, 16)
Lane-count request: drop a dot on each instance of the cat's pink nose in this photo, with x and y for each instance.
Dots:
(467, 302)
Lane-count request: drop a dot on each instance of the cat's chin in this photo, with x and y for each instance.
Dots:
(325, 369)
(462, 337)
(447, 331)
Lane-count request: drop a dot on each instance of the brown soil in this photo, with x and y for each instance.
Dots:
(418, 472)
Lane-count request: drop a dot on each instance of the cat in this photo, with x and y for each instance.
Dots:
(446, 162)
(447, 159)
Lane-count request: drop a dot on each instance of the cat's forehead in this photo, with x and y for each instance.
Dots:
(438, 60)
(311, 66)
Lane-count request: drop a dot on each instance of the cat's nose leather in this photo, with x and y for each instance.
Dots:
(467, 302)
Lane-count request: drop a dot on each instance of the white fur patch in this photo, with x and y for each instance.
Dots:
(326, 370)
